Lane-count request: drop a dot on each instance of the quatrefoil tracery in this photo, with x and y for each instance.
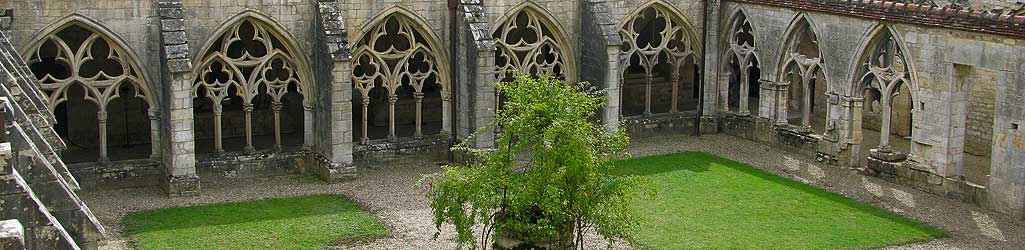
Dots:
(526, 44)
(78, 55)
(247, 57)
(652, 35)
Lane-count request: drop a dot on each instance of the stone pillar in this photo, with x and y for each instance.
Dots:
(710, 84)
(599, 60)
(855, 107)
(101, 118)
(419, 96)
(336, 147)
(745, 87)
(676, 89)
(218, 110)
(276, 108)
(154, 133)
(647, 94)
(613, 82)
(779, 90)
(247, 113)
(179, 148)
(307, 127)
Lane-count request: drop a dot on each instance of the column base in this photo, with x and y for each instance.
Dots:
(884, 162)
(182, 186)
(708, 125)
(336, 172)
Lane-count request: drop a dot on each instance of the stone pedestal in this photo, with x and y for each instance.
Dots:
(885, 163)
(182, 186)
(708, 125)
(337, 172)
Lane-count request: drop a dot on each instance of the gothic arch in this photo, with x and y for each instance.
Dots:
(740, 49)
(252, 64)
(124, 53)
(883, 68)
(657, 43)
(550, 39)
(77, 52)
(294, 51)
(398, 54)
(802, 65)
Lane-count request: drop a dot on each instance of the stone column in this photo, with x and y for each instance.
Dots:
(599, 60)
(745, 87)
(806, 102)
(335, 146)
(247, 113)
(779, 90)
(276, 107)
(218, 130)
(101, 118)
(154, 134)
(392, 99)
(710, 67)
(364, 138)
(613, 82)
(647, 94)
(180, 158)
(676, 88)
(307, 127)
(419, 96)
(855, 107)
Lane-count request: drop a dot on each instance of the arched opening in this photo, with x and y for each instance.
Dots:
(97, 94)
(400, 93)
(888, 104)
(659, 64)
(806, 102)
(527, 43)
(249, 93)
(743, 73)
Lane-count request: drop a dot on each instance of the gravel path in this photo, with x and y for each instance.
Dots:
(389, 190)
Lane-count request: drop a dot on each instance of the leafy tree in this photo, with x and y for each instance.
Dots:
(549, 176)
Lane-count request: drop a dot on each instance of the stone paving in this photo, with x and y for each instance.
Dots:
(389, 190)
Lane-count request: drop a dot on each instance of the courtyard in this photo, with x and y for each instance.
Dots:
(388, 190)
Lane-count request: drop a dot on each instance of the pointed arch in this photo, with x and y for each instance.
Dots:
(398, 53)
(50, 45)
(550, 40)
(77, 51)
(873, 37)
(282, 43)
(802, 65)
(737, 82)
(249, 64)
(884, 69)
(657, 42)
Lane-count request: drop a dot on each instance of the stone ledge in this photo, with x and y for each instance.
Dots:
(914, 175)
(641, 126)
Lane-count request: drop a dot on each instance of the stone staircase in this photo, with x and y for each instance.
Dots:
(39, 208)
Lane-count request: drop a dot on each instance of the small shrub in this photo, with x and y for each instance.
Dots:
(549, 176)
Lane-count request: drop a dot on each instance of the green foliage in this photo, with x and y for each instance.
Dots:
(549, 174)
(311, 222)
(708, 202)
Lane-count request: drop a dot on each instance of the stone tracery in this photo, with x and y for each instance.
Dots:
(884, 71)
(248, 65)
(526, 44)
(742, 67)
(77, 58)
(803, 69)
(654, 40)
(396, 57)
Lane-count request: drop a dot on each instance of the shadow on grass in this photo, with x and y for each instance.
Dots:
(698, 162)
(238, 212)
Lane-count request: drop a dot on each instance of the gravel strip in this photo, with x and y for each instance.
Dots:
(389, 190)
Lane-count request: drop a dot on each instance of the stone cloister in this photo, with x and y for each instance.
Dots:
(160, 93)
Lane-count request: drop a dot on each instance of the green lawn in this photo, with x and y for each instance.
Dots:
(707, 202)
(310, 222)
